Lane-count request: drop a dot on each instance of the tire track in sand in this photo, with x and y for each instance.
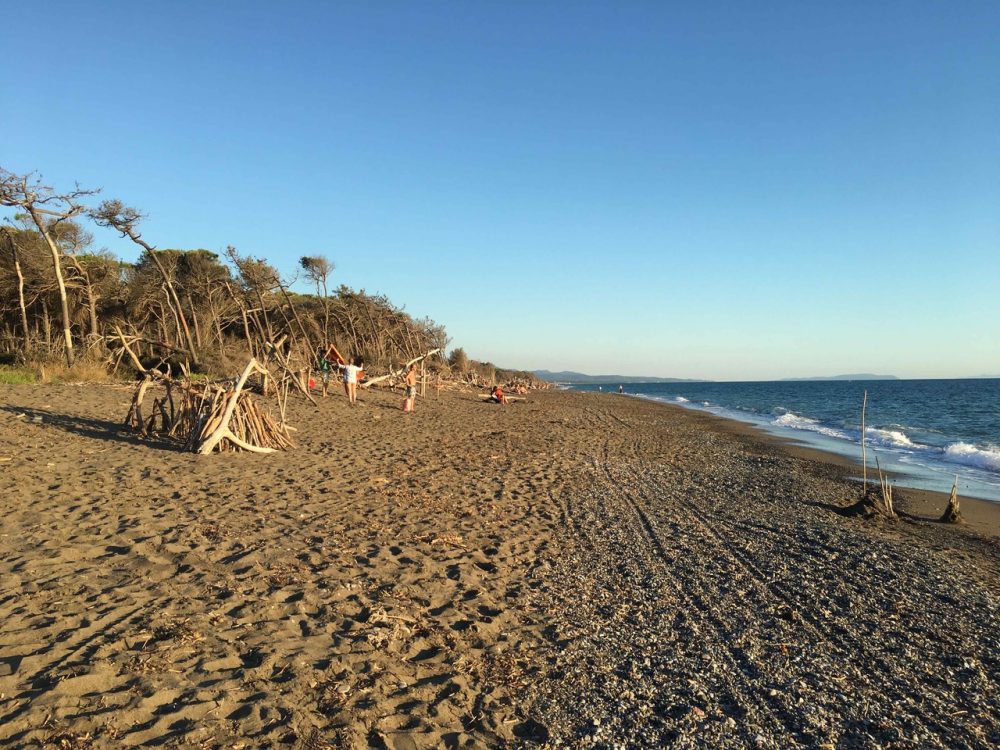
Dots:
(741, 668)
(700, 524)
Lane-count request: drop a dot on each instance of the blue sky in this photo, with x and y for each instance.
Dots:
(719, 190)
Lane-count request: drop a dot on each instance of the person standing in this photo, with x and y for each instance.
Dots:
(351, 372)
(411, 388)
(324, 370)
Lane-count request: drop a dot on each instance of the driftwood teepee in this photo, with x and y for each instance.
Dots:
(207, 417)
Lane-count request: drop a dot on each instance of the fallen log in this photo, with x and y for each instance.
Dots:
(401, 371)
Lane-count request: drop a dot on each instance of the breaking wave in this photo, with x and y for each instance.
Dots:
(890, 438)
(970, 455)
(796, 422)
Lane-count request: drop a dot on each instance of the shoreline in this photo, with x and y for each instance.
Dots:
(585, 570)
(925, 505)
(922, 496)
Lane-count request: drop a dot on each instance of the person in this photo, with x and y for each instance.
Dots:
(324, 370)
(621, 390)
(351, 372)
(499, 396)
(410, 381)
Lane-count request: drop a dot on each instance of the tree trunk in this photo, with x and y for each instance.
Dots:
(175, 303)
(57, 266)
(326, 314)
(92, 306)
(89, 290)
(194, 319)
(295, 314)
(20, 293)
(46, 324)
(218, 331)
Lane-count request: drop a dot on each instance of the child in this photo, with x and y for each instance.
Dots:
(351, 372)
(411, 389)
(324, 370)
(498, 395)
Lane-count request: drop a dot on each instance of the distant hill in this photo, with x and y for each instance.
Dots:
(853, 376)
(580, 378)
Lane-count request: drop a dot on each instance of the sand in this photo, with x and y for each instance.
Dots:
(578, 570)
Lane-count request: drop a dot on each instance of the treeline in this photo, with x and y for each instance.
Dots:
(61, 298)
(486, 373)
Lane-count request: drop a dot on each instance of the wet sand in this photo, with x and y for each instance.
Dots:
(577, 570)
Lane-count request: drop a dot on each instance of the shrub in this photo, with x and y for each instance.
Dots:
(16, 375)
(84, 371)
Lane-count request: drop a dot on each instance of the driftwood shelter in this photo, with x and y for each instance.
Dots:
(207, 417)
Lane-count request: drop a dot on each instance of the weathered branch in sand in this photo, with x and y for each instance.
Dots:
(223, 432)
(952, 514)
(401, 371)
(886, 489)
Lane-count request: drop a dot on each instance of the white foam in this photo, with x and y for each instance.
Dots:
(796, 422)
(681, 400)
(890, 438)
(981, 458)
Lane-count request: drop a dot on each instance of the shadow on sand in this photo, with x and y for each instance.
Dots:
(96, 429)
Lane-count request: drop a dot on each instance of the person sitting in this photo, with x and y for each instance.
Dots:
(497, 396)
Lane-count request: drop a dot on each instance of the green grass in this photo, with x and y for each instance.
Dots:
(16, 376)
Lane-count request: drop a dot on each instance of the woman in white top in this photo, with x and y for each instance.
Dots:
(351, 372)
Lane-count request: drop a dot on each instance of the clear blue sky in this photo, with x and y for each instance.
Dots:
(739, 190)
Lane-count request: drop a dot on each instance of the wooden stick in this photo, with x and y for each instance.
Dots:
(864, 459)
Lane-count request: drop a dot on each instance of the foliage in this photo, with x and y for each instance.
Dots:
(175, 304)
(16, 375)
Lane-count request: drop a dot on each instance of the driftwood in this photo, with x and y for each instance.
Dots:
(952, 514)
(274, 350)
(885, 486)
(221, 421)
(209, 417)
(401, 371)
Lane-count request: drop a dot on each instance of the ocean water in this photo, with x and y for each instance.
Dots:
(928, 431)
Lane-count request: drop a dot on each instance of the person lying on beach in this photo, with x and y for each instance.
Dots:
(498, 396)
(411, 389)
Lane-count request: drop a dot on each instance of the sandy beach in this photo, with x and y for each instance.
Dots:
(574, 570)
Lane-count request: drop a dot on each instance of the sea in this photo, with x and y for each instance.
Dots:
(926, 432)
